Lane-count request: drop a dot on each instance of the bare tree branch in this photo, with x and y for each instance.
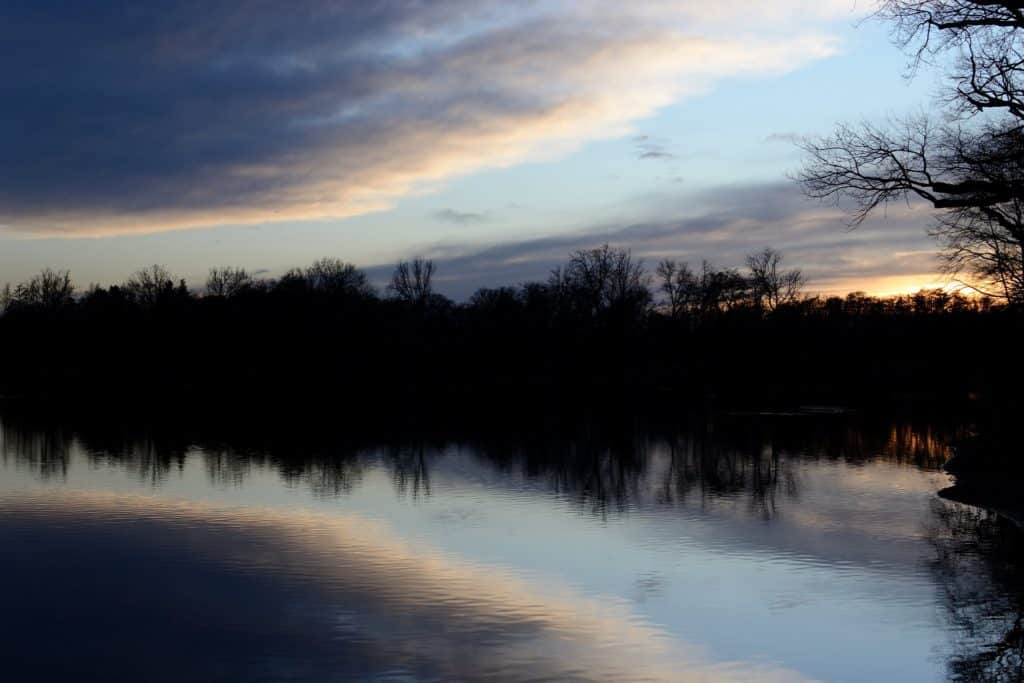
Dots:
(970, 168)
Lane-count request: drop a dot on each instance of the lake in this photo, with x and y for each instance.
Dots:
(749, 547)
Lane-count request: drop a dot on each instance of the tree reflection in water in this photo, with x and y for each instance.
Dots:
(979, 562)
(755, 462)
(410, 473)
(44, 451)
(601, 469)
(703, 464)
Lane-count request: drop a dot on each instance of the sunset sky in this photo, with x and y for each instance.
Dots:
(494, 137)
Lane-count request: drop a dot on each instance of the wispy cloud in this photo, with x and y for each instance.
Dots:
(888, 253)
(459, 217)
(120, 117)
(652, 148)
(784, 138)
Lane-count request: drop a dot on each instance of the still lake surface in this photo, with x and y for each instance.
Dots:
(754, 548)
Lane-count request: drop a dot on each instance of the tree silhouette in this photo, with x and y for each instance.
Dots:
(720, 290)
(228, 282)
(337, 278)
(588, 333)
(595, 281)
(679, 285)
(412, 282)
(968, 163)
(148, 285)
(49, 290)
(770, 285)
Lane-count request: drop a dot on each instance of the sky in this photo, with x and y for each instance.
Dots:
(495, 137)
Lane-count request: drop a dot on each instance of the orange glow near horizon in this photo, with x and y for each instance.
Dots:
(888, 285)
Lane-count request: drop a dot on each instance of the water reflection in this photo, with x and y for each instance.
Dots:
(601, 470)
(410, 472)
(303, 596)
(979, 562)
(709, 468)
(44, 451)
(735, 549)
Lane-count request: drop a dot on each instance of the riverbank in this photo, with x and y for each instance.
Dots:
(989, 474)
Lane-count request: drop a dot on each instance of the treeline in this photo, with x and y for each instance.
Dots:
(600, 328)
(591, 284)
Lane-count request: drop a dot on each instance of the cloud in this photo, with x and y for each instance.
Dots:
(890, 252)
(657, 154)
(785, 138)
(459, 217)
(650, 148)
(123, 117)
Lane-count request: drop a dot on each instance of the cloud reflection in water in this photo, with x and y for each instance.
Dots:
(171, 590)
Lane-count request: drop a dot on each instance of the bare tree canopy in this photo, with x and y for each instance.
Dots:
(679, 286)
(334, 276)
(148, 285)
(228, 282)
(967, 161)
(601, 279)
(981, 36)
(770, 285)
(412, 282)
(330, 276)
(48, 290)
(705, 294)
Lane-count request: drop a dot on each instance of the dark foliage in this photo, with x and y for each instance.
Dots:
(322, 338)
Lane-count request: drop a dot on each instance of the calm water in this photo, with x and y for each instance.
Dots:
(783, 549)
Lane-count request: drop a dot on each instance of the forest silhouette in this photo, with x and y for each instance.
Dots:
(602, 330)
